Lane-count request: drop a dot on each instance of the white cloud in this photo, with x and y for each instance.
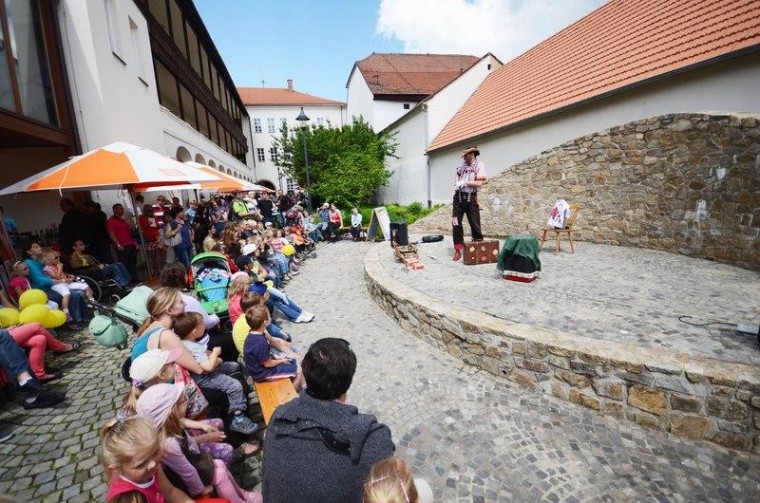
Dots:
(507, 28)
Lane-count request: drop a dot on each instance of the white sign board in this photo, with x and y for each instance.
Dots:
(379, 220)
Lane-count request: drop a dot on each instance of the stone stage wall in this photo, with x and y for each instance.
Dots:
(698, 398)
(683, 183)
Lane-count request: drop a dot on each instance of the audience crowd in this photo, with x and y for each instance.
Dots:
(186, 416)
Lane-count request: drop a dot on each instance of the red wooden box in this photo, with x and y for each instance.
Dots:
(481, 252)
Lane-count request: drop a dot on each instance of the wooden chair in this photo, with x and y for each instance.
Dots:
(568, 230)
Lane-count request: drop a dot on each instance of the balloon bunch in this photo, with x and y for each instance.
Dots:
(34, 309)
(288, 250)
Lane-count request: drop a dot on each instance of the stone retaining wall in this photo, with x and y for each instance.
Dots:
(682, 183)
(697, 398)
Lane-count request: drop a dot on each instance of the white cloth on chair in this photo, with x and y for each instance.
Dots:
(559, 214)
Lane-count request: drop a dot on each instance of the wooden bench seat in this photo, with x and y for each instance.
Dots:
(344, 229)
(272, 394)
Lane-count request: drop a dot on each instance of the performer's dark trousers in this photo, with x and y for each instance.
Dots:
(463, 206)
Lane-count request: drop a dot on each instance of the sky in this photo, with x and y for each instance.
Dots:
(317, 42)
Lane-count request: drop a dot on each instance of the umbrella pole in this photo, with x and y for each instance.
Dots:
(143, 248)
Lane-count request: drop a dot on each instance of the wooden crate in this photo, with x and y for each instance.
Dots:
(481, 252)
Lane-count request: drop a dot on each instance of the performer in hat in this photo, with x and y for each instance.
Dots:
(470, 175)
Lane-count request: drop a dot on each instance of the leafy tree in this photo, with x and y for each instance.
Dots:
(346, 164)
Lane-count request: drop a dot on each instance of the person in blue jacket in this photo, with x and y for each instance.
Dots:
(33, 252)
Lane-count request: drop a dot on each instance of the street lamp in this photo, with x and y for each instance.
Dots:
(302, 120)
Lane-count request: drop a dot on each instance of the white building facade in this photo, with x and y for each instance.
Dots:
(384, 87)
(411, 178)
(139, 71)
(268, 109)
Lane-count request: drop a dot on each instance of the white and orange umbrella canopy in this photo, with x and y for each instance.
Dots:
(225, 183)
(115, 166)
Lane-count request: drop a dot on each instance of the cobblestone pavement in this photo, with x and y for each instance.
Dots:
(614, 293)
(473, 436)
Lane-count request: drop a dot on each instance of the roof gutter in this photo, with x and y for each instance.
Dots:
(619, 90)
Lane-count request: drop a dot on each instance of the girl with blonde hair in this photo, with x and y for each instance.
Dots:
(130, 453)
(391, 481)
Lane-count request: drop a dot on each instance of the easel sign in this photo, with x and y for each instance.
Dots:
(379, 219)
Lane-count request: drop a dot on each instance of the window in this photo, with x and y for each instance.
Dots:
(270, 126)
(158, 10)
(168, 95)
(406, 106)
(188, 108)
(320, 121)
(178, 27)
(260, 155)
(256, 125)
(192, 47)
(291, 185)
(30, 69)
(112, 21)
(214, 131)
(273, 154)
(202, 119)
(283, 122)
(206, 67)
(137, 54)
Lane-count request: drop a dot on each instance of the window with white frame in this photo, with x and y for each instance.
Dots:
(270, 126)
(291, 185)
(256, 125)
(320, 121)
(137, 53)
(260, 155)
(114, 36)
(273, 154)
(283, 121)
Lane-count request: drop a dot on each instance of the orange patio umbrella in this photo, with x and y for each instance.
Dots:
(225, 183)
(115, 166)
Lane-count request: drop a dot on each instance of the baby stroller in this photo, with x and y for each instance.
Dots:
(210, 279)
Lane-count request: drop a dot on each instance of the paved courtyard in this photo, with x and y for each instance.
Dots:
(473, 436)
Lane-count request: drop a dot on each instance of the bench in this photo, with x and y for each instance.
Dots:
(342, 230)
(272, 394)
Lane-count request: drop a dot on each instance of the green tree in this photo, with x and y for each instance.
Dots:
(346, 164)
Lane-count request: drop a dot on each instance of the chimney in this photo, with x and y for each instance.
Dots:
(290, 84)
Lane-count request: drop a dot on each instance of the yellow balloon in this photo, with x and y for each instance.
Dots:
(33, 314)
(8, 317)
(31, 298)
(54, 318)
(288, 250)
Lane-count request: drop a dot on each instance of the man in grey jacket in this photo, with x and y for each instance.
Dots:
(318, 447)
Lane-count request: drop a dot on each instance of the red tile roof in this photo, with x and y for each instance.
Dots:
(411, 74)
(622, 43)
(280, 96)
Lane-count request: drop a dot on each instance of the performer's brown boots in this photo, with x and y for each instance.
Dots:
(457, 255)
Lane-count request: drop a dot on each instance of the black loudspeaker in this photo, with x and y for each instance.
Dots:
(399, 234)
(432, 238)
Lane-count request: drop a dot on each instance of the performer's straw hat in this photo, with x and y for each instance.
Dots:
(471, 149)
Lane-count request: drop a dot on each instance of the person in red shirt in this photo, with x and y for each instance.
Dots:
(150, 226)
(120, 231)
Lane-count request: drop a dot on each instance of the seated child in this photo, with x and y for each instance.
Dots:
(130, 452)
(165, 405)
(63, 283)
(390, 481)
(257, 352)
(156, 366)
(19, 282)
(280, 339)
(190, 328)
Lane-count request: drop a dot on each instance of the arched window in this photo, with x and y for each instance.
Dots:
(199, 159)
(183, 155)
